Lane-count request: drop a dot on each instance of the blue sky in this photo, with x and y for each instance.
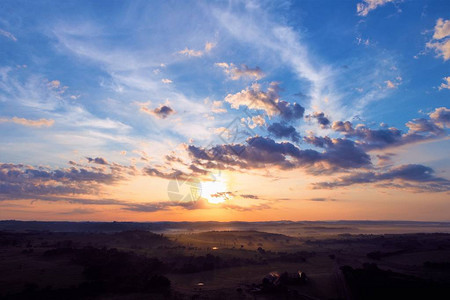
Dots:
(134, 82)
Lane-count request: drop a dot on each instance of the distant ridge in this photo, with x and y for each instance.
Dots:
(168, 226)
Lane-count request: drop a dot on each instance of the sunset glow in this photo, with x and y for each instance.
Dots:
(211, 110)
(215, 191)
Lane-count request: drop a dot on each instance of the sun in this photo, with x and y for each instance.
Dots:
(215, 191)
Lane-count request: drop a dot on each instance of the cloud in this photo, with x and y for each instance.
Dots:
(249, 196)
(189, 205)
(166, 81)
(197, 53)
(261, 206)
(441, 48)
(445, 84)
(363, 8)
(393, 84)
(209, 46)
(323, 121)
(162, 112)
(442, 29)
(441, 116)
(79, 211)
(27, 122)
(254, 121)
(269, 101)
(98, 160)
(385, 158)
(290, 111)
(236, 73)
(54, 84)
(189, 52)
(422, 125)
(262, 152)
(217, 107)
(18, 181)
(254, 98)
(341, 126)
(420, 129)
(283, 130)
(441, 39)
(403, 174)
(8, 35)
(192, 174)
(283, 44)
(151, 171)
(163, 205)
(320, 199)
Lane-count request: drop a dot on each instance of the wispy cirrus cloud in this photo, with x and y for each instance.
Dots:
(363, 8)
(243, 71)
(197, 53)
(8, 35)
(28, 122)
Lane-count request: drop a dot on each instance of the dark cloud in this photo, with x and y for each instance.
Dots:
(97, 160)
(385, 158)
(223, 195)
(320, 199)
(421, 129)
(318, 141)
(283, 130)
(249, 196)
(422, 125)
(161, 112)
(441, 116)
(172, 174)
(323, 121)
(422, 176)
(260, 152)
(201, 203)
(290, 111)
(173, 158)
(197, 170)
(164, 205)
(18, 181)
(342, 153)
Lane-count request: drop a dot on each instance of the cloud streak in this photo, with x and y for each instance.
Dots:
(363, 8)
(412, 176)
(243, 71)
(8, 35)
(28, 122)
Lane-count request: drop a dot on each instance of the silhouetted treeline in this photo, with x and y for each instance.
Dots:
(442, 266)
(370, 282)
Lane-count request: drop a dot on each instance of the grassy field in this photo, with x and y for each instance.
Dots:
(211, 264)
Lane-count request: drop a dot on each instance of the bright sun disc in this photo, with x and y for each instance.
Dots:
(215, 191)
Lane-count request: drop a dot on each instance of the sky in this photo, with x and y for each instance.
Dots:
(225, 110)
